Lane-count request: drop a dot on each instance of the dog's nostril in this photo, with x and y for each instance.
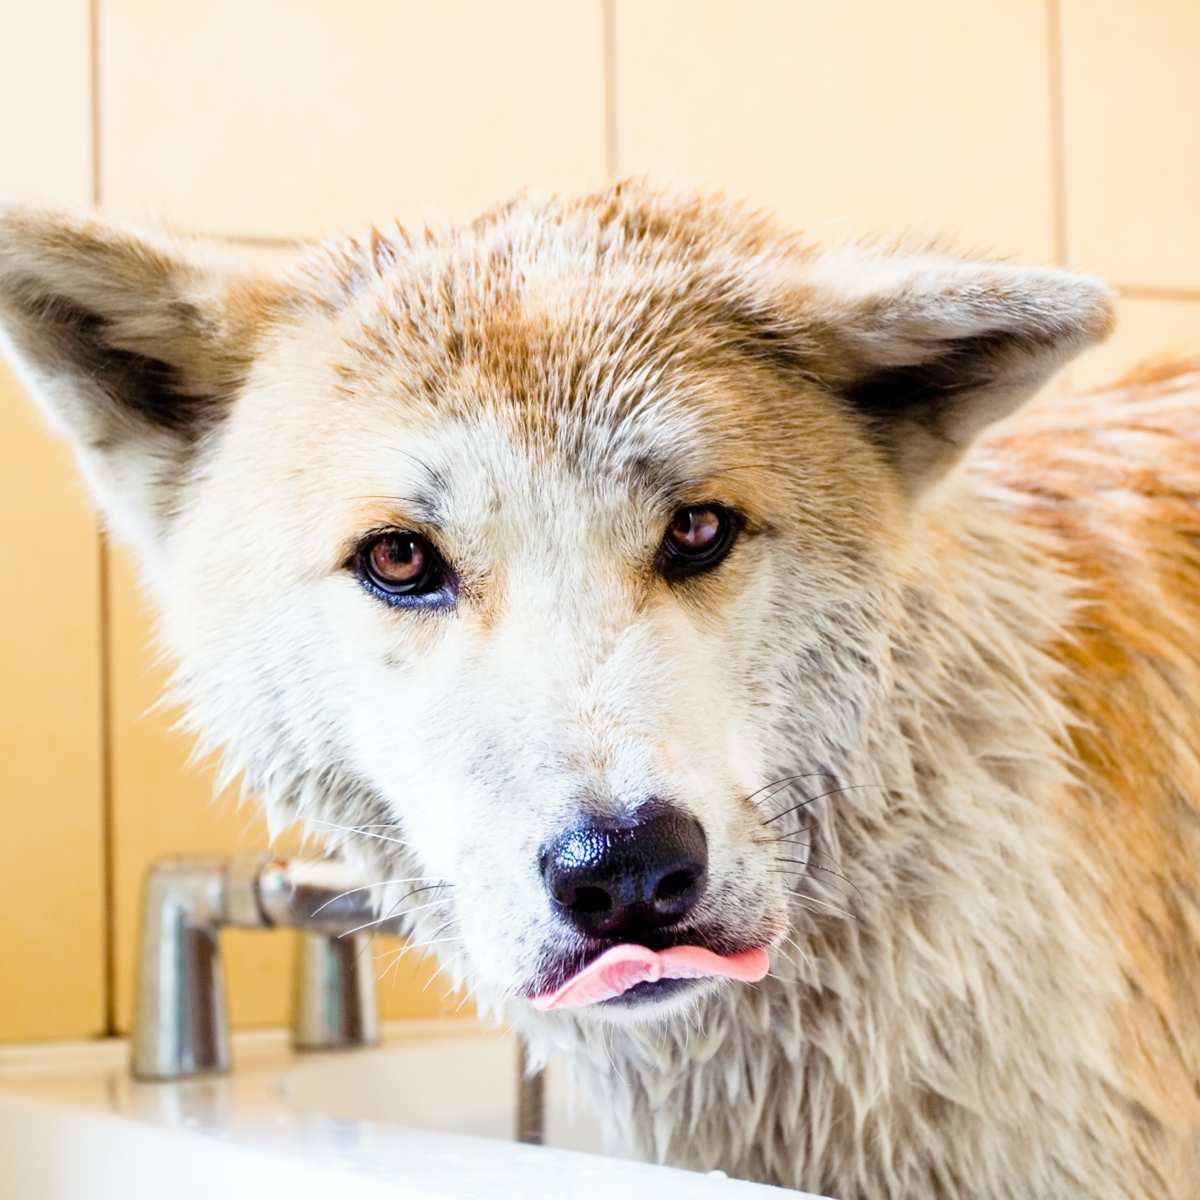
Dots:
(591, 900)
(624, 878)
(674, 885)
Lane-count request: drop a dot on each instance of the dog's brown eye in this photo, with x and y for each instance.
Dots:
(694, 531)
(698, 538)
(402, 566)
(398, 561)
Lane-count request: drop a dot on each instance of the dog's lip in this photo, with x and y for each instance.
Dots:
(625, 966)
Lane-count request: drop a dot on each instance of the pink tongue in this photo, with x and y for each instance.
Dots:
(625, 966)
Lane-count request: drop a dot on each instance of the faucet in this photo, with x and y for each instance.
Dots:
(181, 1025)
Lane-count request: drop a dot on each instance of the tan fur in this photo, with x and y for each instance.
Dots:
(955, 681)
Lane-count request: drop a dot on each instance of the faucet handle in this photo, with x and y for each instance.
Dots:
(181, 1026)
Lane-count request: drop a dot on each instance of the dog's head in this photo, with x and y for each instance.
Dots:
(545, 554)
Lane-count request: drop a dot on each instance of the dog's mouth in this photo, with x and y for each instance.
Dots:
(630, 972)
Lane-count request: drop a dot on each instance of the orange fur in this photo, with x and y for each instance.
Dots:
(1114, 474)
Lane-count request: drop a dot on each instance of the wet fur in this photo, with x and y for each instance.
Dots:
(972, 682)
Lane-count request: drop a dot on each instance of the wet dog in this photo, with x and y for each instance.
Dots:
(805, 754)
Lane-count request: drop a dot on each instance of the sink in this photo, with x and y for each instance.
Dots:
(452, 1085)
(429, 1114)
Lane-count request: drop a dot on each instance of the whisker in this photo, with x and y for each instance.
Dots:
(787, 837)
(812, 866)
(436, 940)
(366, 887)
(391, 912)
(399, 954)
(430, 942)
(784, 780)
(440, 970)
(795, 945)
(379, 837)
(778, 787)
(389, 916)
(813, 799)
(803, 901)
(428, 887)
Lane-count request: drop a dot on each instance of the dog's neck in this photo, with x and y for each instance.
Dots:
(925, 991)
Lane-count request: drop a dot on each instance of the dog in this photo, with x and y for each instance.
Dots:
(668, 613)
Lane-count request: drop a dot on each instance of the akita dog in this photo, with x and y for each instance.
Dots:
(820, 777)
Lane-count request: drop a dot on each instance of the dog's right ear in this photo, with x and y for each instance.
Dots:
(133, 344)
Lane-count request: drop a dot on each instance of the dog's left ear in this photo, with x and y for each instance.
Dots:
(930, 350)
(134, 345)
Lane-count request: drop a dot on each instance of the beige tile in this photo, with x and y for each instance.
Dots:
(45, 94)
(51, 851)
(52, 909)
(252, 117)
(928, 118)
(1146, 329)
(162, 806)
(1131, 75)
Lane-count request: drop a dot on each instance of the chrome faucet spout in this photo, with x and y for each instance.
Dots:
(181, 1025)
(320, 895)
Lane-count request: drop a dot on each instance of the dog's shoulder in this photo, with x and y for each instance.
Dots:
(1113, 474)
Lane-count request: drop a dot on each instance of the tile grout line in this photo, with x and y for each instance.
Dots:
(1058, 137)
(107, 811)
(94, 94)
(608, 11)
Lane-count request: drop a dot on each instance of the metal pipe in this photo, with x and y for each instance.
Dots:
(531, 1100)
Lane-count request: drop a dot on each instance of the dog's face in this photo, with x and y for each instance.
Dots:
(544, 555)
(554, 588)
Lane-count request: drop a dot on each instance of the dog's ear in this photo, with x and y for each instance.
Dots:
(930, 350)
(134, 346)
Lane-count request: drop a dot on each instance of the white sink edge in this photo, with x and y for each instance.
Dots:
(73, 1128)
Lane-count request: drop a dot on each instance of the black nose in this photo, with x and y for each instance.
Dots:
(622, 878)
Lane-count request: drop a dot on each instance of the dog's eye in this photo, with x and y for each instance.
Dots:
(698, 538)
(403, 568)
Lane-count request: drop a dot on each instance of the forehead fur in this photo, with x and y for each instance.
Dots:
(562, 312)
(627, 335)
(621, 340)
